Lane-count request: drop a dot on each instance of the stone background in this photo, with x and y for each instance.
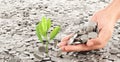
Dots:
(18, 19)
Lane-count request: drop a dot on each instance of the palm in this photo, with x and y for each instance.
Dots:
(105, 27)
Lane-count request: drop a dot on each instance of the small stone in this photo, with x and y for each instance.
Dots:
(81, 32)
(92, 24)
(26, 14)
(28, 61)
(27, 53)
(92, 35)
(64, 53)
(75, 43)
(74, 55)
(59, 53)
(14, 60)
(56, 10)
(46, 59)
(19, 49)
(112, 57)
(54, 59)
(114, 51)
(1, 56)
(77, 39)
(36, 60)
(70, 53)
(72, 39)
(41, 49)
(55, 43)
(118, 55)
(12, 52)
(89, 29)
(84, 38)
(38, 57)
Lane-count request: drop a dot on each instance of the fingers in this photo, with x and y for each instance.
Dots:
(81, 47)
(65, 40)
(70, 48)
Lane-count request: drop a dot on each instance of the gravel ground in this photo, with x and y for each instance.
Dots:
(18, 19)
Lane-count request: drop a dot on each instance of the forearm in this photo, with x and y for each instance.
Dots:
(114, 8)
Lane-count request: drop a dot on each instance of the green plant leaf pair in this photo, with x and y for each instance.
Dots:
(42, 31)
(43, 27)
(54, 32)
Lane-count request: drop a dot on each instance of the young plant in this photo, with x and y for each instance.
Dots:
(42, 31)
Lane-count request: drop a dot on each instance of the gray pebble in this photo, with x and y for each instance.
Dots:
(112, 57)
(92, 35)
(70, 53)
(72, 39)
(26, 14)
(55, 43)
(59, 53)
(28, 61)
(89, 29)
(38, 56)
(1, 56)
(41, 49)
(118, 55)
(14, 60)
(27, 53)
(46, 59)
(84, 38)
(12, 52)
(114, 51)
(75, 43)
(92, 24)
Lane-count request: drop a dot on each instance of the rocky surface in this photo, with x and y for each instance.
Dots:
(18, 19)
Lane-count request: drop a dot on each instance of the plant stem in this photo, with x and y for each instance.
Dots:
(47, 42)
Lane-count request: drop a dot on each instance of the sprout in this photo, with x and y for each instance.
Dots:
(42, 31)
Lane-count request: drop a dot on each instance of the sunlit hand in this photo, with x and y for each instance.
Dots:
(105, 21)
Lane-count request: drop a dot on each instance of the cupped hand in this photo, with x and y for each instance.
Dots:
(105, 21)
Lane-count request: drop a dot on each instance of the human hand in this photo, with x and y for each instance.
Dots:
(105, 21)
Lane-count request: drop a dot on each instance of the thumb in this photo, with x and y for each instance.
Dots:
(94, 18)
(93, 42)
(65, 40)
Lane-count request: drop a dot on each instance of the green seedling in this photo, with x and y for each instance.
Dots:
(42, 31)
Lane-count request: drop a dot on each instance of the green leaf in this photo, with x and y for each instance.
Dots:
(38, 33)
(48, 24)
(44, 24)
(42, 32)
(54, 32)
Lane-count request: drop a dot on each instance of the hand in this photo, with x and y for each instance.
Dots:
(105, 21)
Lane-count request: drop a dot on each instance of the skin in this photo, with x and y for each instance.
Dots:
(106, 19)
